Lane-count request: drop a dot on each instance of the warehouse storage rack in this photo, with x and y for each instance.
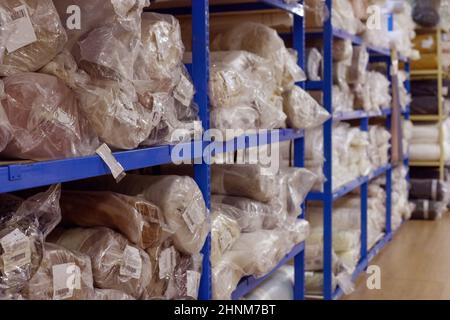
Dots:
(329, 196)
(15, 176)
(438, 75)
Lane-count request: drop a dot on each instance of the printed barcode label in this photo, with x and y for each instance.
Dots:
(167, 262)
(18, 257)
(131, 263)
(66, 279)
(62, 292)
(19, 12)
(22, 31)
(17, 251)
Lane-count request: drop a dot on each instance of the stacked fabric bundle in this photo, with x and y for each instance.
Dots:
(425, 142)
(430, 197)
(401, 207)
(353, 153)
(252, 82)
(425, 97)
(252, 229)
(119, 80)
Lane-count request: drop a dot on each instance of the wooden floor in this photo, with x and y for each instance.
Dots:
(414, 266)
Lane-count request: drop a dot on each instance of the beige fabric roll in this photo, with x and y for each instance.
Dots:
(224, 233)
(137, 219)
(116, 264)
(62, 275)
(48, 29)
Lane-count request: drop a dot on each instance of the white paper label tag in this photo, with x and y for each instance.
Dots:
(184, 92)
(193, 217)
(192, 283)
(17, 251)
(22, 30)
(132, 263)
(116, 168)
(167, 262)
(225, 239)
(158, 107)
(66, 278)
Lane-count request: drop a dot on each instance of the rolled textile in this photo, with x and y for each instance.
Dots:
(428, 189)
(425, 134)
(45, 118)
(425, 105)
(181, 204)
(279, 286)
(421, 88)
(224, 233)
(116, 264)
(248, 181)
(424, 152)
(428, 210)
(426, 173)
(134, 217)
(62, 275)
(426, 13)
(36, 35)
(24, 225)
(248, 213)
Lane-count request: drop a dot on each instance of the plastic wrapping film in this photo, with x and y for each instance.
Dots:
(186, 279)
(224, 233)
(266, 43)
(279, 286)
(241, 79)
(379, 146)
(52, 126)
(234, 118)
(344, 17)
(314, 64)
(401, 208)
(426, 13)
(245, 181)
(111, 294)
(62, 275)
(116, 264)
(249, 214)
(428, 210)
(302, 110)
(358, 68)
(24, 225)
(181, 204)
(137, 219)
(36, 35)
(343, 51)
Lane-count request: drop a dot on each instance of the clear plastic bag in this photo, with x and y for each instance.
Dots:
(36, 37)
(224, 233)
(358, 69)
(116, 264)
(46, 119)
(137, 219)
(111, 294)
(265, 42)
(186, 279)
(225, 278)
(24, 225)
(243, 181)
(302, 110)
(181, 204)
(62, 275)
(314, 64)
(248, 213)
(234, 118)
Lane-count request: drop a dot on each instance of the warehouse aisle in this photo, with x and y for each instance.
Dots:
(416, 265)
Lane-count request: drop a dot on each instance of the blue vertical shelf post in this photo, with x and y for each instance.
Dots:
(364, 194)
(200, 76)
(299, 159)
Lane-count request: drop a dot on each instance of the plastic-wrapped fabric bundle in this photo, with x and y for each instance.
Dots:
(428, 190)
(344, 17)
(302, 110)
(234, 118)
(115, 263)
(342, 51)
(358, 68)
(425, 13)
(181, 204)
(248, 213)
(224, 233)
(186, 279)
(380, 94)
(36, 35)
(421, 88)
(111, 294)
(45, 119)
(62, 275)
(424, 152)
(314, 283)
(137, 219)
(244, 181)
(265, 42)
(425, 105)
(428, 210)
(314, 64)
(379, 146)
(24, 225)
(340, 73)
(225, 278)
(425, 134)
(350, 259)
(279, 286)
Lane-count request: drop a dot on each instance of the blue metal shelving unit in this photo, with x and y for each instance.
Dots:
(329, 196)
(21, 176)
